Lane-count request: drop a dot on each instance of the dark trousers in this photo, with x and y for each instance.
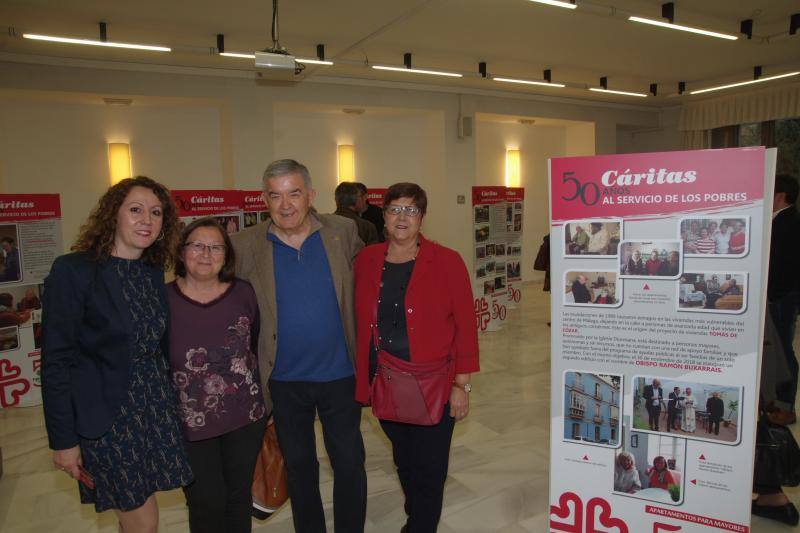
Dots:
(654, 411)
(713, 424)
(296, 404)
(672, 415)
(220, 498)
(784, 315)
(421, 454)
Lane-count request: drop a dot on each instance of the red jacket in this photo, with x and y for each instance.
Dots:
(439, 310)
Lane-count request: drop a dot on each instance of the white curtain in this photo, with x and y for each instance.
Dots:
(698, 118)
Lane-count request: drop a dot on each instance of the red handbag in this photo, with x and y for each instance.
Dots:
(410, 392)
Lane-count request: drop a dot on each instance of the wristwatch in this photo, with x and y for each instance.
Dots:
(466, 387)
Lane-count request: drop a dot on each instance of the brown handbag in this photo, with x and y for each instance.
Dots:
(269, 479)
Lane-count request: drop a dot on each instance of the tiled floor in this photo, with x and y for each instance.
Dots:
(498, 471)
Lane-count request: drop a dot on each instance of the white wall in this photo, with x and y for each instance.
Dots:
(664, 137)
(219, 131)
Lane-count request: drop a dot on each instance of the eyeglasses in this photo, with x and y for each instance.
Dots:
(409, 210)
(197, 248)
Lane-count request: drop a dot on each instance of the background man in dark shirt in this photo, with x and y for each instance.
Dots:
(371, 212)
(579, 291)
(348, 202)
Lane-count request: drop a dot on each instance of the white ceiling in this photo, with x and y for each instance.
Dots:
(517, 38)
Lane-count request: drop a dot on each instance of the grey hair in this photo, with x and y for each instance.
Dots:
(346, 194)
(285, 167)
(628, 455)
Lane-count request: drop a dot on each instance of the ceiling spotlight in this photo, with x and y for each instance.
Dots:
(749, 82)
(557, 3)
(530, 82)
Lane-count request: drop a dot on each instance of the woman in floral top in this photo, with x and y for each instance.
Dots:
(213, 334)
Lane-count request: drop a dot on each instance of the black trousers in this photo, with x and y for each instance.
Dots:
(713, 424)
(654, 413)
(295, 406)
(672, 416)
(784, 312)
(220, 497)
(422, 454)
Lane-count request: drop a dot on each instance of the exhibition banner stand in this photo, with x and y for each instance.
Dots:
(490, 234)
(225, 206)
(659, 282)
(30, 240)
(515, 197)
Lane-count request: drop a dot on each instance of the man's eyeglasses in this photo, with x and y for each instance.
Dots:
(409, 210)
(197, 248)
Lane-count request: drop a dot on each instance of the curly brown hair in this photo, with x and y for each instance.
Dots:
(97, 234)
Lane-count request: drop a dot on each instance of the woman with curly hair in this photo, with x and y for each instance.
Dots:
(213, 338)
(109, 408)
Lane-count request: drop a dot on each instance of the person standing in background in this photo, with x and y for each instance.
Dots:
(349, 202)
(783, 290)
(716, 410)
(370, 212)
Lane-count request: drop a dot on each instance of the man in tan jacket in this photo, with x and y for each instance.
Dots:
(300, 266)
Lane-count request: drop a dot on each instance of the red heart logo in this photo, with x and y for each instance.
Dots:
(605, 517)
(562, 510)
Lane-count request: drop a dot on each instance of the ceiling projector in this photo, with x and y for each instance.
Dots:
(274, 66)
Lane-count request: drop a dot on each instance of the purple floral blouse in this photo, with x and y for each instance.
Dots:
(214, 367)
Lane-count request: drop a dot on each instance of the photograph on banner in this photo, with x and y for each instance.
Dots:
(20, 305)
(482, 233)
(592, 408)
(592, 238)
(717, 236)
(10, 260)
(513, 271)
(481, 214)
(255, 217)
(689, 409)
(488, 288)
(9, 338)
(480, 252)
(650, 259)
(592, 288)
(231, 223)
(713, 292)
(651, 467)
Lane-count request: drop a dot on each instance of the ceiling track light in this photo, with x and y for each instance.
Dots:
(542, 83)
(103, 41)
(557, 3)
(668, 12)
(407, 68)
(604, 89)
(320, 60)
(749, 82)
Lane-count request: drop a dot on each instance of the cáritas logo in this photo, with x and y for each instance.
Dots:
(611, 178)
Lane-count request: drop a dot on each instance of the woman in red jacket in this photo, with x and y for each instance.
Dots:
(414, 297)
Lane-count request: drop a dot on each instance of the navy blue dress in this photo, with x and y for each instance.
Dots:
(143, 450)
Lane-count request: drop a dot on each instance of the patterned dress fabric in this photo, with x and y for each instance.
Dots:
(143, 450)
